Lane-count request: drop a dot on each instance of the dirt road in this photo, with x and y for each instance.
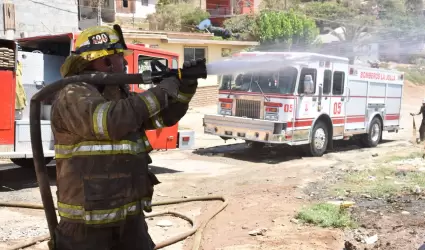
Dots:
(265, 190)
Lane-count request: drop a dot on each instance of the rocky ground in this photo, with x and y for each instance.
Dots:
(266, 190)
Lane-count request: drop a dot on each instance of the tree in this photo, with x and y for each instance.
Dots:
(279, 4)
(352, 30)
(96, 7)
(353, 33)
(414, 6)
(285, 28)
(166, 2)
(177, 17)
(244, 25)
(328, 14)
(329, 11)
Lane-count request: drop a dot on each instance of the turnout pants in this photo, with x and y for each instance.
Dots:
(131, 235)
(422, 131)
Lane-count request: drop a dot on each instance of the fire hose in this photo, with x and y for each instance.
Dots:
(197, 228)
(38, 154)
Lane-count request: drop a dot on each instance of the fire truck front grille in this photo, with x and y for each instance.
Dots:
(248, 108)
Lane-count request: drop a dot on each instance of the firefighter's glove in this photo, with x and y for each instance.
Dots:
(170, 86)
(192, 70)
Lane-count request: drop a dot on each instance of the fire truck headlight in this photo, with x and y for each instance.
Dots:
(225, 112)
(271, 117)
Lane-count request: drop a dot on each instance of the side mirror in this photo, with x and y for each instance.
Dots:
(308, 85)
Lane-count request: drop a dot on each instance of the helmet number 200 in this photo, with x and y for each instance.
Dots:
(99, 38)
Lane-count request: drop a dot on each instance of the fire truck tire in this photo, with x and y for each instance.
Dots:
(29, 162)
(374, 135)
(254, 145)
(319, 139)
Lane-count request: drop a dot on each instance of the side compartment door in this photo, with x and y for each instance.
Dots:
(162, 138)
(338, 100)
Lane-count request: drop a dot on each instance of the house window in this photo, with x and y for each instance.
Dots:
(338, 83)
(106, 3)
(125, 3)
(86, 3)
(194, 53)
(145, 2)
(327, 81)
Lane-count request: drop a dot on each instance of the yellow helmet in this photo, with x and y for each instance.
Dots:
(99, 41)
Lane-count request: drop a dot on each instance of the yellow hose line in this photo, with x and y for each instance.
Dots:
(197, 228)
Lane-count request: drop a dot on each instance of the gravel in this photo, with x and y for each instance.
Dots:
(20, 225)
(28, 195)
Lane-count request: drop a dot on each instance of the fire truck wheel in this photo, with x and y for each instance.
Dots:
(373, 137)
(29, 162)
(319, 139)
(254, 145)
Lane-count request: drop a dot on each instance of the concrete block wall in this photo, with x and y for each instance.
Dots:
(205, 96)
(41, 17)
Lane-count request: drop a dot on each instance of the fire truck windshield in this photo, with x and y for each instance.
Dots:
(282, 82)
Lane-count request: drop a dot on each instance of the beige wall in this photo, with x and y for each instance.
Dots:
(213, 53)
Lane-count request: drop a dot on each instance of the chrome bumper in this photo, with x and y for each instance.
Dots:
(245, 128)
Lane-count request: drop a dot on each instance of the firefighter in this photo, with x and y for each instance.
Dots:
(422, 127)
(103, 181)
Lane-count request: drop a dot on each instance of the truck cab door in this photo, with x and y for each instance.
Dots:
(307, 100)
(163, 138)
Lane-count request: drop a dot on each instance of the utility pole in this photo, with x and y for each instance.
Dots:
(99, 12)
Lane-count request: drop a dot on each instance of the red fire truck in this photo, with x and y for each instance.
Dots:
(313, 101)
(41, 58)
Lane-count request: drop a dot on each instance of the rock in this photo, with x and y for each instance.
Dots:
(371, 211)
(257, 232)
(164, 223)
(244, 227)
(299, 197)
(371, 240)
(388, 177)
(416, 189)
(405, 212)
(371, 178)
(295, 221)
(220, 154)
(336, 203)
(368, 196)
(349, 246)
(375, 155)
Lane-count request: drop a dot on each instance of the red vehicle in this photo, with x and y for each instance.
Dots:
(40, 59)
